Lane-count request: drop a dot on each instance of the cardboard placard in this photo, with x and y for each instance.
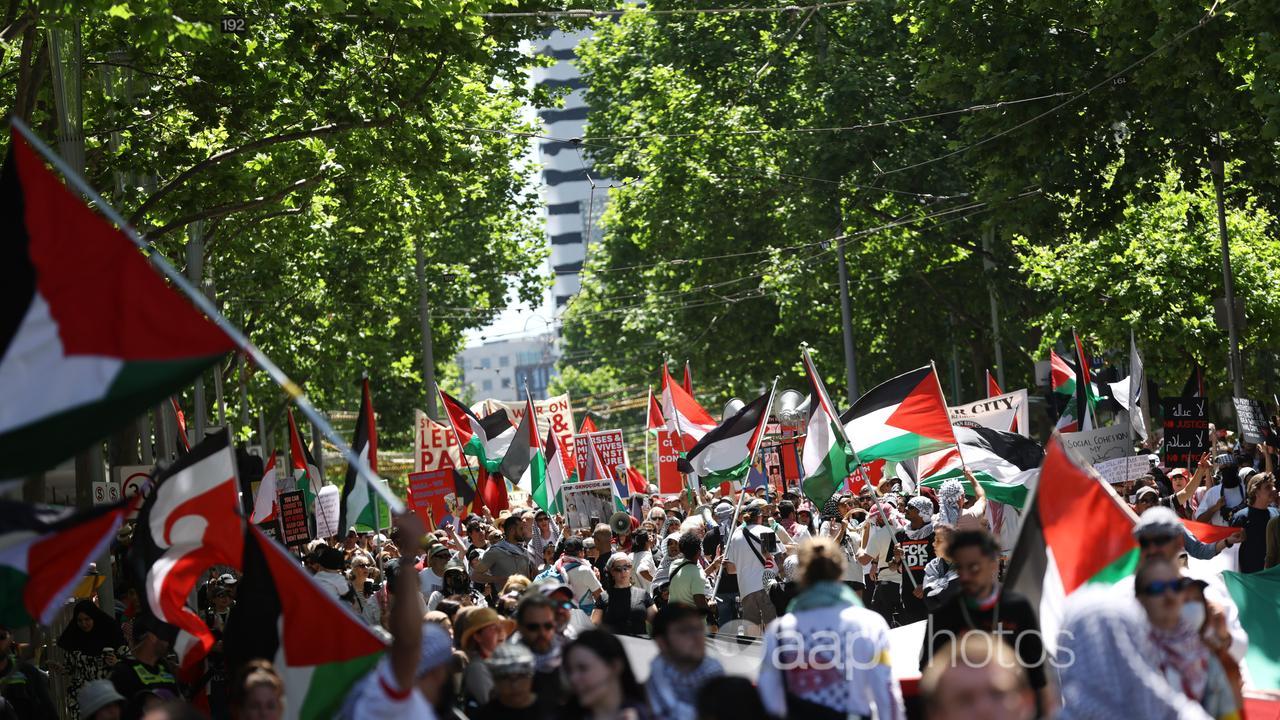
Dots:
(610, 445)
(1186, 430)
(584, 500)
(435, 446)
(670, 480)
(1123, 469)
(293, 518)
(1100, 444)
(998, 413)
(1251, 419)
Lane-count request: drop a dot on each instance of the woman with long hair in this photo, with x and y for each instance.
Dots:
(93, 642)
(257, 693)
(601, 684)
(826, 608)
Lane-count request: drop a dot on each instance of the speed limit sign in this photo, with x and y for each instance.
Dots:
(134, 480)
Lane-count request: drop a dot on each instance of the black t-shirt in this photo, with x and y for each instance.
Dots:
(1253, 551)
(1018, 627)
(495, 710)
(915, 555)
(625, 610)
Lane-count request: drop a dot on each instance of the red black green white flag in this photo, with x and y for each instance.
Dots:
(90, 334)
(725, 453)
(357, 507)
(900, 419)
(828, 458)
(319, 647)
(306, 472)
(1075, 530)
(44, 552)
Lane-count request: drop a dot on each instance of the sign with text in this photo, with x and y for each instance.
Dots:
(555, 413)
(586, 500)
(133, 480)
(770, 460)
(610, 445)
(998, 413)
(1251, 419)
(1186, 430)
(670, 481)
(326, 512)
(432, 495)
(293, 518)
(1100, 444)
(1123, 469)
(435, 446)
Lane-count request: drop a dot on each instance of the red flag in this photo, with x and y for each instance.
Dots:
(637, 482)
(1207, 533)
(992, 388)
(654, 420)
(588, 426)
(688, 379)
(491, 489)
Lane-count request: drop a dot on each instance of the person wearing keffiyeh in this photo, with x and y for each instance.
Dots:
(915, 550)
(681, 666)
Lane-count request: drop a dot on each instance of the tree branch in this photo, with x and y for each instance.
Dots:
(220, 210)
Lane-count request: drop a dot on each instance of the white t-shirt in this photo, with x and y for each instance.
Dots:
(851, 544)
(1235, 496)
(746, 564)
(642, 560)
(429, 581)
(583, 582)
(378, 698)
(879, 541)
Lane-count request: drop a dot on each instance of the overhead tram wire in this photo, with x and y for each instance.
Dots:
(588, 13)
(1209, 16)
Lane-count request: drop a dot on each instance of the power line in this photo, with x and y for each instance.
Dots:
(588, 14)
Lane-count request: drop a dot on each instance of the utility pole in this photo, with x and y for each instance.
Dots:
(424, 317)
(1228, 279)
(846, 317)
(989, 265)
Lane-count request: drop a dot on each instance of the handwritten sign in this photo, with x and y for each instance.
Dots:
(998, 413)
(293, 518)
(1100, 444)
(1123, 469)
(610, 445)
(326, 512)
(435, 446)
(1186, 430)
(1251, 419)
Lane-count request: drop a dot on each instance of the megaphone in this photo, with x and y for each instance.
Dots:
(620, 523)
(791, 407)
(731, 408)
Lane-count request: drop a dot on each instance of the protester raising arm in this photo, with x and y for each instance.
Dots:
(405, 617)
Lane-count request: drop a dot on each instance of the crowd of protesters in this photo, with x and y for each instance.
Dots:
(519, 615)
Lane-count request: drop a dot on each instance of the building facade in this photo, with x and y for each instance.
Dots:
(499, 369)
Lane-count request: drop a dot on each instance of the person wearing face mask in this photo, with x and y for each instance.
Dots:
(1177, 651)
(1222, 500)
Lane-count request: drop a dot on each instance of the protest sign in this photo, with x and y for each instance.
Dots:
(293, 518)
(555, 413)
(769, 457)
(1186, 430)
(433, 496)
(584, 501)
(670, 481)
(1123, 469)
(998, 413)
(326, 512)
(1251, 419)
(1100, 444)
(610, 445)
(435, 446)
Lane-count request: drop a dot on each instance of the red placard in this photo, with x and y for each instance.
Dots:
(610, 445)
(670, 481)
(432, 496)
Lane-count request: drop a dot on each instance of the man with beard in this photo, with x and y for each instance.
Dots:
(539, 630)
(914, 550)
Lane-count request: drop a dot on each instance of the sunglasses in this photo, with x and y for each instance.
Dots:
(564, 605)
(622, 568)
(538, 626)
(1147, 542)
(1160, 587)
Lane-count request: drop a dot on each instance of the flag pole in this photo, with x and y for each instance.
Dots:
(647, 406)
(202, 303)
(813, 372)
(954, 442)
(675, 418)
(475, 484)
(751, 461)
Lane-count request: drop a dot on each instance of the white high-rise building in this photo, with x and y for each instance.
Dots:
(573, 209)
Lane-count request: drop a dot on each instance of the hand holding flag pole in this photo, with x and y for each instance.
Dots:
(202, 303)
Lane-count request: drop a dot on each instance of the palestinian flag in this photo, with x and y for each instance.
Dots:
(828, 458)
(189, 523)
(1062, 379)
(1075, 530)
(588, 425)
(1085, 401)
(687, 383)
(525, 463)
(1256, 598)
(265, 502)
(1195, 385)
(44, 552)
(653, 419)
(316, 644)
(900, 419)
(90, 335)
(357, 507)
(547, 493)
(724, 454)
(999, 461)
(306, 472)
(684, 414)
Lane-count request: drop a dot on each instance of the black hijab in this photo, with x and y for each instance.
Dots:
(105, 633)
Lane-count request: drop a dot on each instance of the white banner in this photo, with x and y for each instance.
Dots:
(1095, 446)
(326, 511)
(435, 446)
(998, 413)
